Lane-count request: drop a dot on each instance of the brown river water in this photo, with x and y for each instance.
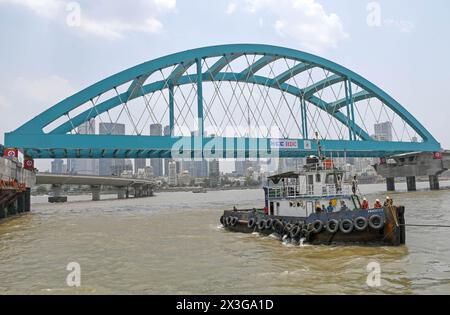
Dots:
(172, 244)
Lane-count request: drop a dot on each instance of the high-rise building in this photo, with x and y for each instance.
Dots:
(85, 166)
(173, 173)
(108, 167)
(166, 161)
(157, 164)
(214, 173)
(139, 164)
(383, 131)
(241, 166)
(57, 166)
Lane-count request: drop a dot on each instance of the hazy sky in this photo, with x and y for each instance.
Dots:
(44, 57)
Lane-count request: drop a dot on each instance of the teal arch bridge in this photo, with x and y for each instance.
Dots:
(242, 100)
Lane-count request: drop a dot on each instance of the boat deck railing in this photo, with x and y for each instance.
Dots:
(288, 192)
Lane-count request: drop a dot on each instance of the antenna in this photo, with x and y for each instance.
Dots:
(319, 147)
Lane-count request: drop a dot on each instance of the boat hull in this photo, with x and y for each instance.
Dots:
(380, 227)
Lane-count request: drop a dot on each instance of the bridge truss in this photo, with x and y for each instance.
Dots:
(226, 101)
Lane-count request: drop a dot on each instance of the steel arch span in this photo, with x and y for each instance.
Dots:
(228, 101)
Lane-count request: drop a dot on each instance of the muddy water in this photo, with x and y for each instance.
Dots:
(172, 243)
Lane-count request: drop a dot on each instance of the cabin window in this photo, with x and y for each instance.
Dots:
(318, 178)
(310, 179)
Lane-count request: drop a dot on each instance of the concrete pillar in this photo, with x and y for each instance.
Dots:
(96, 192)
(434, 182)
(21, 202)
(137, 191)
(411, 183)
(121, 192)
(3, 212)
(12, 208)
(58, 194)
(27, 200)
(128, 192)
(390, 183)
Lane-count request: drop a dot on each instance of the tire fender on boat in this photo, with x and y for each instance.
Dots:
(262, 225)
(332, 226)
(222, 220)
(278, 226)
(376, 222)
(295, 232)
(269, 224)
(346, 226)
(251, 223)
(317, 226)
(234, 221)
(361, 224)
(228, 221)
(288, 227)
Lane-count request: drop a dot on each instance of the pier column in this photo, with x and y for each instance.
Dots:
(21, 202)
(3, 212)
(434, 182)
(390, 183)
(128, 192)
(137, 191)
(411, 183)
(12, 208)
(58, 195)
(96, 192)
(27, 200)
(121, 192)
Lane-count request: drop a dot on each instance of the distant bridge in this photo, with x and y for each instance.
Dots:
(140, 187)
(227, 101)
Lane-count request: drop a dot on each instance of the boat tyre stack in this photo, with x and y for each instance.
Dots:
(262, 225)
(296, 232)
(231, 221)
(317, 227)
(332, 226)
(269, 224)
(278, 226)
(376, 222)
(361, 224)
(251, 223)
(346, 226)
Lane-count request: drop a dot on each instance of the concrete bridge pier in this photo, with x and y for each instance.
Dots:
(27, 200)
(21, 202)
(411, 183)
(96, 189)
(390, 183)
(121, 192)
(3, 212)
(58, 194)
(434, 182)
(137, 191)
(12, 208)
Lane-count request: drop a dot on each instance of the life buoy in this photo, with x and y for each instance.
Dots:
(251, 223)
(346, 226)
(295, 232)
(361, 224)
(332, 226)
(269, 224)
(234, 221)
(262, 225)
(376, 222)
(317, 226)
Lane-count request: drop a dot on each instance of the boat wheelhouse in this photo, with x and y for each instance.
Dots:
(300, 193)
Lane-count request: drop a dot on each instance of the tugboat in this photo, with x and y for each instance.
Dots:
(315, 206)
